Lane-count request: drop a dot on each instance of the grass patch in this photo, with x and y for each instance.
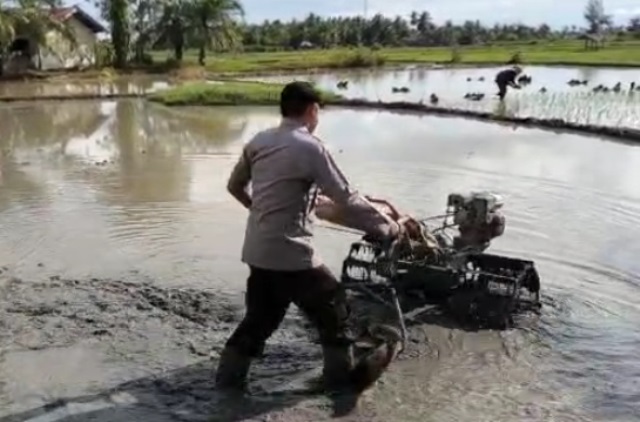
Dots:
(225, 93)
(284, 60)
(570, 52)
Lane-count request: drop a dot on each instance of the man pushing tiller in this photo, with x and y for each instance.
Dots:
(290, 171)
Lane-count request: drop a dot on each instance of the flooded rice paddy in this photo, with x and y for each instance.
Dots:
(578, 104)
(95, 195)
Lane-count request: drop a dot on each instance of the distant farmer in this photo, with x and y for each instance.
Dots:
(507, 78)
(290, 170)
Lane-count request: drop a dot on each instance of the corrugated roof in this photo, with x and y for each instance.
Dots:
(64, 13)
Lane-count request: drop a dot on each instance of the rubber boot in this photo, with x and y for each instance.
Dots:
(232, 371)
(371, 366)
(338, 362)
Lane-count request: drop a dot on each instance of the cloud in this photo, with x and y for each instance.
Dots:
(626, 12)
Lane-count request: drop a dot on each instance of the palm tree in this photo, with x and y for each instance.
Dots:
(210, 23)
(214, 24)
(172, 26)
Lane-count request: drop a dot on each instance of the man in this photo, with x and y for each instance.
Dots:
(507, 78)
(287, 167)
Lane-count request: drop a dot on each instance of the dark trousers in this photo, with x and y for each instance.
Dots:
(502, 90)
(316, 292)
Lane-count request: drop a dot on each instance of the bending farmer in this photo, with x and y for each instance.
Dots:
(288, 167)
(506, 78)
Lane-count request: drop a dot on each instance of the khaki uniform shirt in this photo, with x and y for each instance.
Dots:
(286, 166)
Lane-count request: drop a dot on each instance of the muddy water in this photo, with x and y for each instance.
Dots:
(116, 85)
(577, 104)
(96, 193)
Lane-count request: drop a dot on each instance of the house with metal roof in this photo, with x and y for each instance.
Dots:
(58, 52)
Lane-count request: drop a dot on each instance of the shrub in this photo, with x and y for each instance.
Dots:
(104, 54)
(171, 63)
(456, 55)
(146, 59)
(359, 58)
(516, 58)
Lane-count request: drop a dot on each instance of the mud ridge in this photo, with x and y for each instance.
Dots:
(623, 133)
(556, 125)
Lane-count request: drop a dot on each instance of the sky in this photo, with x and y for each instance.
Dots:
(556, 13)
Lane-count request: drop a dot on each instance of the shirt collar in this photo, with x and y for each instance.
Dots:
(290, 123)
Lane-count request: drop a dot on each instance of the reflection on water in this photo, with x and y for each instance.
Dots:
(72, 177)
(108, 86)
(577, 104)
(100, 189)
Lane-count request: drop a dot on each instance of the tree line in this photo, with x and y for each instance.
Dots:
(140, 26)
(216, 25)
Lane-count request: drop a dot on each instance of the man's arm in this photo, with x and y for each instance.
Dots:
(239, 180)
(392, 210)
(359, 213)
(512, 81)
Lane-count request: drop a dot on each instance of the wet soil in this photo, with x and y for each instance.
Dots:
(103, 350)
(107, 348)
(95, 334)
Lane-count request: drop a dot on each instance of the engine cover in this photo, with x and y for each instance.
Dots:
(474, 208)
(478, 218)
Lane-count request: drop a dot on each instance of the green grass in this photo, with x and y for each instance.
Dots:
(224, 93)
(621, 53)
(284, 60)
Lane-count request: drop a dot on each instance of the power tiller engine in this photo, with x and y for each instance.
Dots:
(447, 264)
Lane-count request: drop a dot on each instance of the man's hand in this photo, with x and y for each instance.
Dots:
(385, 206)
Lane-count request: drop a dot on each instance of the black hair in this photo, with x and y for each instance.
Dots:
(296, 97)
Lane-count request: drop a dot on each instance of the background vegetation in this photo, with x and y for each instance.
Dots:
(216, 25)
(168, 33)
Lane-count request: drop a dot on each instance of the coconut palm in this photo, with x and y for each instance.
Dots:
(214, 24)
(209, 24)
(172, 26)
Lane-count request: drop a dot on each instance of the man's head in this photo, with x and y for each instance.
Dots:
(301, 101)
(517, 69)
